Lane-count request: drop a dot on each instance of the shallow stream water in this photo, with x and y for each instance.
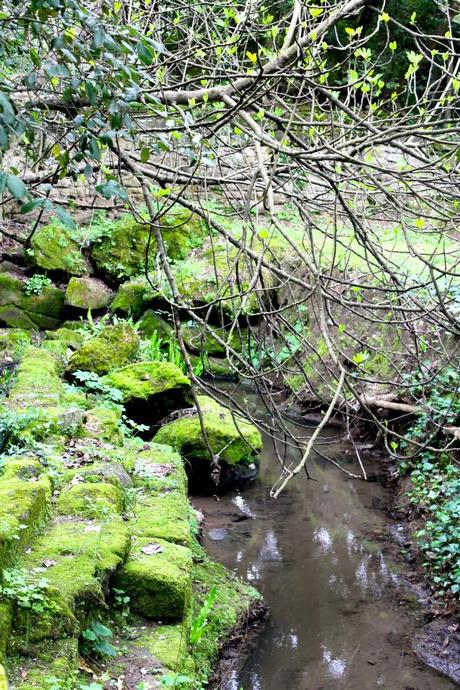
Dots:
(341, 616)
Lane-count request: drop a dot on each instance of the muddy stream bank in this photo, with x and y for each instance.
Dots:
(342, 614)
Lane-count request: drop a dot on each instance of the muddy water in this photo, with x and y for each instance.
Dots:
(340, 615)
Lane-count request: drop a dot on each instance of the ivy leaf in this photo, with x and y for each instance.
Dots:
(16, 186)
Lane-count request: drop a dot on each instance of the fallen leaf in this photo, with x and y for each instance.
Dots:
(152, 549)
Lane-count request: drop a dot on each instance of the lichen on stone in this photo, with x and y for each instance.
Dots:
(87, 293)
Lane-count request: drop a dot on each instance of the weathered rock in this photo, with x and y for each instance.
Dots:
(152, 322)
(56, 247)
(91, 500)
(150, 390)
(157, 578)
(87, 293)
(122, 252)
(132, 297)
(30, 312)
(234, 442)
(114, 347)
(103, 424)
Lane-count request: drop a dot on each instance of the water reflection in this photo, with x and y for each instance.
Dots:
(331, 590)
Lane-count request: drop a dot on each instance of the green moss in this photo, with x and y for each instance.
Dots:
(151, 322)
(147, 380)
(159, 467)
(54, 621)
(90, 500)
(132, 297)
(159, 584)
(13, 343)
(111, 472)
(17, 309)
(87, 293)
(53, 663)
(233, 439)
(83, 554)
(58, 248)
(6, 617)
(37, 381)
(203, 341)
(114, 347)
(104, 424)
(122, 252)
(215, 366)
(165, 516)
(21, 467)
(24, 506)
(168, 644)
(68, 336)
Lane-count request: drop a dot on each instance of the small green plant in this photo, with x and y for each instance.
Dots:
(93, 384)
(24, 592)
(12, 425)
(200, 621)
(36, 284)
(96, 640)
(178, 680)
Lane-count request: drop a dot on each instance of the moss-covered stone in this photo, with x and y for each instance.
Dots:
(87, 293)
(122, 253)
(114, 347)
(214, 366)
(150, 390)
(157, 578)
(164, 516)
(13, 343)
(111, 472)
(203, 340)
(81, 555)
(168, 644)
(21, 467)
(104, 424)
(30, 312)
(157, 467)
(132, 297)
(56, 247)
(24, 506)
(91, 500)
(152, 322)
(233, 440)
(37, 382)
(70, 337)
(54, 621)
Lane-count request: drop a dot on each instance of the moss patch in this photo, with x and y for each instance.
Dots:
(68, 336)
(82, 554)
(103, 424)
(24, 506)
(132, 297)
(165, 516)
(233, 439)
(157, 578)
(92, 500)
(53, 663)
(112, 348)
(152, 322)
(55, 247)
(30, 312)
(157, 467)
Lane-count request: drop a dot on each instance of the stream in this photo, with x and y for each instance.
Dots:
(341, 616)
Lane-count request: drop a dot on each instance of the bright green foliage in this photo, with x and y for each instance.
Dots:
(114, 347)
(96, 640)
(232, 439)
(36, 284)
(435, 479)
(56, 247)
